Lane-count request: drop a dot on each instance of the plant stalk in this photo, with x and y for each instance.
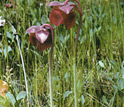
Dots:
(23, 70)
(75, 54)
(50, 63)
(50, 77)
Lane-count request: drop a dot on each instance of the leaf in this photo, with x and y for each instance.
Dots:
(82, 99)
(13, 29)
(10, 36)
(44, 19)
(11, 98)
(122, 72)
(67, 75)
(66, 38)
(2, 99)
(111, 102)
(101, 64)
(66, 94)
(21, 95)
(61, 38)
(122, 69)
(56, 78)
(104, 100)
(82, 39)
(121, 3)
(115, 88)
(6, 51)
(120, 83)
(91, 35)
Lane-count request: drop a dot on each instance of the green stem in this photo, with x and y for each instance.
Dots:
(23, 70)
(14, 32)
(75, 55)
(50, 78)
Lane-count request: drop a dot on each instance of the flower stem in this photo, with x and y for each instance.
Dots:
(50, 78)
(50, 63)
(14, 32)
(23, 70)
(75, 54)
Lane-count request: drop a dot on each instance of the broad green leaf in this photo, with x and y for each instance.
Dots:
(21, 95)
(66, 94)
(11, 98)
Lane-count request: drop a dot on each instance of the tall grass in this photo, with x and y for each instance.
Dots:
(100, 55)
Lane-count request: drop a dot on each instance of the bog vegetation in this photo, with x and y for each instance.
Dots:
(100, 56)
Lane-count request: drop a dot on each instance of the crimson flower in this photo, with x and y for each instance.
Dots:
(40, 36)
(63, 13)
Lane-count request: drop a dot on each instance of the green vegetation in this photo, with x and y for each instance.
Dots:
(100, 56)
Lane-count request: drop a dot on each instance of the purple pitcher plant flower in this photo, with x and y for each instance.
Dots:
(41, 36)
(63, 13)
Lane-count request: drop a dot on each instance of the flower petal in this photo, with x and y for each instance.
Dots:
(42, 35)
(70, 20)
(56, 17)
(71, 4)
(33, 29)
(41, 46)
(66, 9)
(46, 44)
(55, 3)
(32, 39)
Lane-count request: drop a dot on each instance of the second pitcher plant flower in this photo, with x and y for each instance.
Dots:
(63, 13)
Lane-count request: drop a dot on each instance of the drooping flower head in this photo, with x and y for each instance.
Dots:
(41, 36)
(63, 13)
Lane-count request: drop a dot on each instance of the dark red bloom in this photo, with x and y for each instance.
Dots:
(8, 5)
(63, 13)
(40, 36)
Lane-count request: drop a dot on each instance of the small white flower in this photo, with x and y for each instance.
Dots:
(2, 22)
